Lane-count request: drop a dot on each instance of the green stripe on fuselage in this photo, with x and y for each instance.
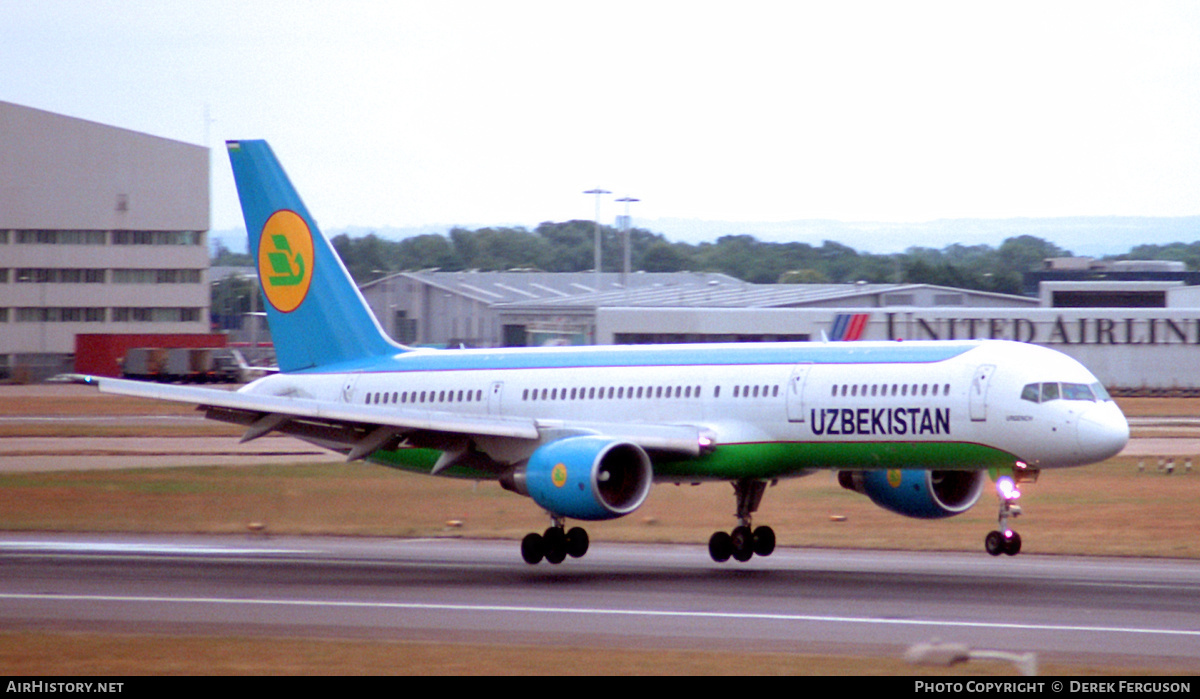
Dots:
(767, 459)
(784, 459)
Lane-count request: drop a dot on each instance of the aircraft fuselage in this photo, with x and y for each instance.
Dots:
(770, 410)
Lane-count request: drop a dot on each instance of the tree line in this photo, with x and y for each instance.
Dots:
(568, 247)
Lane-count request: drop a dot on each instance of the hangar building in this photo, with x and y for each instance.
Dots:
(516, 309)
(102, 230)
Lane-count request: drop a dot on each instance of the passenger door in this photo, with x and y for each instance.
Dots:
(494, 395)
(795, 392)
(348, 386)
(978, 392)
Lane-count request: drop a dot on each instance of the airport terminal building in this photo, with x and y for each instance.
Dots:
(102, 230)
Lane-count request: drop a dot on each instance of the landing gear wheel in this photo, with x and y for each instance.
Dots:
(720, 547)
(743, 543)
(1012, 546)
(577, 542)
(764, 541)
(555, 543)
(1008, 543)
(994, 543)
(532, 549)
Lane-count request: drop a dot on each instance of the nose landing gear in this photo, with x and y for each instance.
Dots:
(1005, 540)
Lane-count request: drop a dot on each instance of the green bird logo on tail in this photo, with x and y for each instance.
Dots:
(281, 264)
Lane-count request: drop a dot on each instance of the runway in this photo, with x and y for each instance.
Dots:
(627, 595)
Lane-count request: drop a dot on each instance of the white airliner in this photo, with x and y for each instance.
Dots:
(586, 431)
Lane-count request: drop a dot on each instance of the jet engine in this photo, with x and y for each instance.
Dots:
(917, 493)
(585, 477)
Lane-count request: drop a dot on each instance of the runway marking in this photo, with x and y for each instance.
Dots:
(113, 547)
(755, 616)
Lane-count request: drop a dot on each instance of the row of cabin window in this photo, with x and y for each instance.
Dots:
(896, 389)
(635, 392)
(592, 393)
(747, 391)
(424, 396)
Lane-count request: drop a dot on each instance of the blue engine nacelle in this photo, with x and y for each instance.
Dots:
(585, 477)
(915, 493)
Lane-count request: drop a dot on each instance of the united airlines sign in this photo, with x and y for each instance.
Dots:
(1049, 330)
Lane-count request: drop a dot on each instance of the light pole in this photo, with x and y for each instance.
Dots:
(597, 191)
(625, 220)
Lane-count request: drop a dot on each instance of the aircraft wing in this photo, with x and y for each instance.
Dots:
(359, 430)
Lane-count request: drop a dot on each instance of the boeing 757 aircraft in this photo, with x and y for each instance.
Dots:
(585, 431)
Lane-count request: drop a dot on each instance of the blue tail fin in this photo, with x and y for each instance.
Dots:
(316, 313)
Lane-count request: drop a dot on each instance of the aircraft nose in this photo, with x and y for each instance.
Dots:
(1103, 432)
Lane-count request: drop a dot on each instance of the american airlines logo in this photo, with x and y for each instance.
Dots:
(849, 326)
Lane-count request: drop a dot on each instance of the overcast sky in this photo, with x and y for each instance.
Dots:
(504, 112)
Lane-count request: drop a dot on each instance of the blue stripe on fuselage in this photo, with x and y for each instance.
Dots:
(602, 356)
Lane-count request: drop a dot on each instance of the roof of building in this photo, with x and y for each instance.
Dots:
(530, 290)
(521, 286)
(745, 295)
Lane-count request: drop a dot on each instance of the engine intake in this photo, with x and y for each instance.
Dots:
(585, 477)
(917, 493)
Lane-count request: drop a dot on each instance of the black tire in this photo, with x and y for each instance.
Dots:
(720, 547)
(994, 543)
(764, 541)
(531, 549)
(743, 544)
(1012, 546)
(555, 543)
(577, 542)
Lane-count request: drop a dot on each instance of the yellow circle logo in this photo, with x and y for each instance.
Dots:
(894, 477)
(285, 260)
(558, 475)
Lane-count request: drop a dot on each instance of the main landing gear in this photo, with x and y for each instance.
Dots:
(1005, 540)
(555, 544)
(744, 542)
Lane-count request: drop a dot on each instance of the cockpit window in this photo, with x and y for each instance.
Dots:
(1077, 391)
(1052, 390)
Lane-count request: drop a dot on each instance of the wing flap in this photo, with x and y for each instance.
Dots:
(677, 439)
(347, 426)
(326, 412)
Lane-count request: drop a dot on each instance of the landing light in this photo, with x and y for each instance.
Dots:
(1007, 488)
